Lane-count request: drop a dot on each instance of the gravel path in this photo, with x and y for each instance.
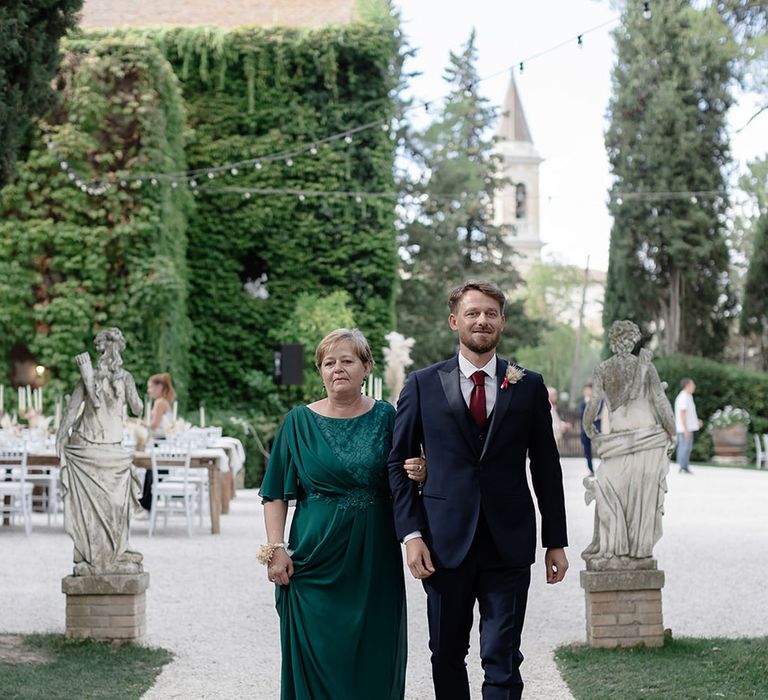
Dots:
(209, 601)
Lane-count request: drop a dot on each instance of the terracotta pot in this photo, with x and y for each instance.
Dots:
(730, 442)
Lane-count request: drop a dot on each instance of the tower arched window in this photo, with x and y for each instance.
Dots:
(520, 201)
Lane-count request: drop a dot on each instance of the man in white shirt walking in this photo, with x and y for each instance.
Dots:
(687, 423)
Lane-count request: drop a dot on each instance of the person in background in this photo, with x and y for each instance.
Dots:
(686, 423)
(559, 426)
(162, 395)
(586, 443)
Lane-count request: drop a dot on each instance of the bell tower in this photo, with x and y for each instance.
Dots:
(517, 204)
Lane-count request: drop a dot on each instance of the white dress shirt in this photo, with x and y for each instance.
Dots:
(466, 370)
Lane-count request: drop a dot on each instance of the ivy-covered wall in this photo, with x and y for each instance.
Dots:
(71, 262)
(171, 269)
(254, 92)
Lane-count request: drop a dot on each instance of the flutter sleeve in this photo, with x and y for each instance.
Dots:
(281, 477)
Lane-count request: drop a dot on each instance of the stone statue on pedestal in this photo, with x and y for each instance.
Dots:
(99, 481)
(637, 436)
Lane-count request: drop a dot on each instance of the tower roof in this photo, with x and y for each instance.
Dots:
(513, 125)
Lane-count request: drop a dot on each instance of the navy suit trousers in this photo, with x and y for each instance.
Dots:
(502, 594)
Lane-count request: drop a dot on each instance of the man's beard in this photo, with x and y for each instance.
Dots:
(482, 345)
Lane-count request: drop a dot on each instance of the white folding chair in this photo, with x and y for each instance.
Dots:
(173, 492)
(47, 498)
(15, 490)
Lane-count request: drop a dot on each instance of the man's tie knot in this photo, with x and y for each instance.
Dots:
(478, 378)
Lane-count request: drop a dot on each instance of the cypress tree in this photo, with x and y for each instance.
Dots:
(668, 264)
(29, 58)
(448, 234)
(754, 314)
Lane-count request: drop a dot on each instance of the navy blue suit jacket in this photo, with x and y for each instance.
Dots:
(465, 473)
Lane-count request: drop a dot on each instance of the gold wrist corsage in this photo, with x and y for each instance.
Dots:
(267, 550)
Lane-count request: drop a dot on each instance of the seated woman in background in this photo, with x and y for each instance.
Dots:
(161, 393)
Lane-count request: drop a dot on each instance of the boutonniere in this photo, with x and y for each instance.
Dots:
(512, 376)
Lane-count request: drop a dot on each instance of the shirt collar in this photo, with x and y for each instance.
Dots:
(468, 369)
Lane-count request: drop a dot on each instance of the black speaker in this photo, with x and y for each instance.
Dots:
(288, 364)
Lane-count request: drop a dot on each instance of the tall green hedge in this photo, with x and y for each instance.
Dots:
(254, 92)
(71, 262)
(717, 385)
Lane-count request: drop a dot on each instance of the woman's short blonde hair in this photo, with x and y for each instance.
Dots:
(351, 335)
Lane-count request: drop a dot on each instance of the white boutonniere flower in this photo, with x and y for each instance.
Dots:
(512, 376)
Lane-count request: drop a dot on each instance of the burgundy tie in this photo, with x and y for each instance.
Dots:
(477, 399)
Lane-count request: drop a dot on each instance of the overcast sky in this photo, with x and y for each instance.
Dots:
(564, 93)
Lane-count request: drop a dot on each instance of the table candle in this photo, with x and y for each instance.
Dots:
(28, 399)
(202, 416)
(175, 410)
(57, 417)
(147, 409)
(21, 400)
(2, 398)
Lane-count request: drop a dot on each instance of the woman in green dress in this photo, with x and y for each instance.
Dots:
(340, 591)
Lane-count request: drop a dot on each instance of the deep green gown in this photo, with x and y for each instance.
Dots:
(342, 616)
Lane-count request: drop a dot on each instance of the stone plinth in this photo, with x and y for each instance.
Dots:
(624, 608)
(110, 607)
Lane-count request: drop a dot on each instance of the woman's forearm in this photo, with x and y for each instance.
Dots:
(275, 513)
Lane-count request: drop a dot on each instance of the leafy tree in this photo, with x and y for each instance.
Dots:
(312, 319)
(448, 234)
(29, 58)
(754, 314)
(668, 264)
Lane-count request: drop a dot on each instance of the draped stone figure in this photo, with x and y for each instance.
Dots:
(99, 481)
(634, 445)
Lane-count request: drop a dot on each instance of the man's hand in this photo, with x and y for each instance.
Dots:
(556, 564)
(280, 567)
(418, 558)
(416, 469)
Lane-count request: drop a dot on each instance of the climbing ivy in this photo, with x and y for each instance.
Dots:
(257, 91)
(72, 263)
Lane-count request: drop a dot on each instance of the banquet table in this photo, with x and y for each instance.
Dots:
(215, 460)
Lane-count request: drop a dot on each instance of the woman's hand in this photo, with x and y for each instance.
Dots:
(416, 469)
(280, 567)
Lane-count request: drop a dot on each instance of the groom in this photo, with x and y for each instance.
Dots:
(470, 536)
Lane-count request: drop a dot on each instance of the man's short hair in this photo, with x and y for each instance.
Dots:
(487, 288)
(685, 381)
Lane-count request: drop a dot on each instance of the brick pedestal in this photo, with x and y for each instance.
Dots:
(624, 608)
(106, 608)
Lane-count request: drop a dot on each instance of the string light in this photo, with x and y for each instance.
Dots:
(287, 156)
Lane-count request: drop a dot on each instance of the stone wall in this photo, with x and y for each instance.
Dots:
(232, 13)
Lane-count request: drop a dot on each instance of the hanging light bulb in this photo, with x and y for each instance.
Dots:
(234, 171)
(288, 162)
(174, 184)
(64, 165)
(301, 197)
(348, 139)
(193, 184)
(580, 41)
(313, 150)
(522, 68)
(154, 181)
(247, 195)
(257, 165)
(647, 10)
(211, 176)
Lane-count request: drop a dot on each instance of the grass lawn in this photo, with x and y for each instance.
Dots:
(48, 667)
(683, 669)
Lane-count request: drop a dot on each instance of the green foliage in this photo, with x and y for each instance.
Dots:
(72, 263)
(717, 385)
(754, 314)
(449, 234)
(668, 260)
(680, 670)
(79, 669)
(311, 320)
(553, 357)
(29, 57)
(258, 91)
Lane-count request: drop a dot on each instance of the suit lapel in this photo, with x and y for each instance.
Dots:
(503, 399)
(449, 378)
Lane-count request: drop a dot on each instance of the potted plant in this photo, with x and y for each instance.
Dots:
(729, 431)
